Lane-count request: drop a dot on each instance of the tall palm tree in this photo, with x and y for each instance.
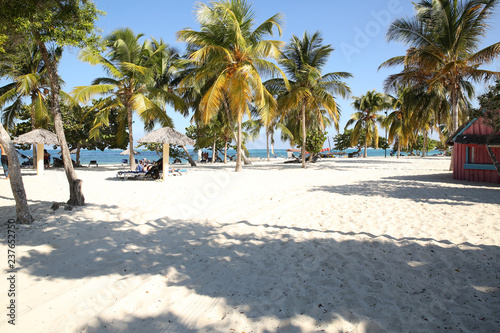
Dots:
(444, 38)
(366, 117)
(310, 93)
(398, 121)
(130, 66)
(230, 55)
(28, 74)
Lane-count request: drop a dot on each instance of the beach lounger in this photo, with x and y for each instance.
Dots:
(131, 174)
(93, 163)
(143, 175)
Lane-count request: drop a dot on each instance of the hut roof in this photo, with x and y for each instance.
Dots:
(38, 136)
(459, 137)
(166, 135)
(477, 139)
(127, 151)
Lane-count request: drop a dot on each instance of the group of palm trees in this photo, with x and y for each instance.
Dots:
(221, 77)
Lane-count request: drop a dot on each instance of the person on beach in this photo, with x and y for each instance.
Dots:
(5, 162)
(140, 166)
(46, 158)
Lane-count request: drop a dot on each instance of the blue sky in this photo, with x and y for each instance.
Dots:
(355, 29)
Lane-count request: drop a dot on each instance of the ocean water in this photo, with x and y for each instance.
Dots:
(113, 156)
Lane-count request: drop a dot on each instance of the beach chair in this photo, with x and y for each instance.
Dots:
(93, 163)
(124, 161)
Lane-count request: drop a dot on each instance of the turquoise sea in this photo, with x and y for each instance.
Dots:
(114, 157)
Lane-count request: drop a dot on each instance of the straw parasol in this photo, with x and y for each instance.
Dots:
(167, 136)
(40, 137)
(126, 152)
(72, 152)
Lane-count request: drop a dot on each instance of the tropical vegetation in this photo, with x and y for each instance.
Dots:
(307, 97)
(444, 55)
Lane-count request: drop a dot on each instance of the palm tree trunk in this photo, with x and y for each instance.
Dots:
(213, 150)
(16, 180)
(77, 157)
(231, 123)
(131, 155)
(76, 197)
(267, 144)
(33, 127)
(454, 116)
(238, 153)
(425, 144)
(303, 149)
(399, 147)
(190, 159)
(365, 154)
(490, 151)
(225, 152)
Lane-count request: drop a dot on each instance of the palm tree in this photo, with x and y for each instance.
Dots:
(366, 117)
(398, 121)
(29, 79)
(310, 93)
(229, 58)
(444, 38)
(131, 68)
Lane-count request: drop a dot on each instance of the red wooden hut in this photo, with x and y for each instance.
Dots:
(471, 160)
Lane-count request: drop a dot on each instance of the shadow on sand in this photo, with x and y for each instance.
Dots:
(314, 279)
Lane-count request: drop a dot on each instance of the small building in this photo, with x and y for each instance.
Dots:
(471, 160)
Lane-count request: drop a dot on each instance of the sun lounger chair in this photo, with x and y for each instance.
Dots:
(93, 163)
(124, 161)
(131, 174)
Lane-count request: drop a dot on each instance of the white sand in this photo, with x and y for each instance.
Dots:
(347, 245)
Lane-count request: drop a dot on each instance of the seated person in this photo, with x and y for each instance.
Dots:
(140, 167)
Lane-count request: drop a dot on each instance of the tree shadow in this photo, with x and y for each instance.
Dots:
(268, 278)
(430, 188)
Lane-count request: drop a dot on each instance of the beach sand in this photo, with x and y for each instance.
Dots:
(346, 245)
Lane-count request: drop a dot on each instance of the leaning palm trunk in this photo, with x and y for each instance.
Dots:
(16, 180)
(303, 149)
(76, 197)
(490, 152)
(190, 159)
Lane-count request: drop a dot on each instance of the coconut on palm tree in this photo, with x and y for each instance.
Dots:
(130, 85)
(310, 92)
(229, 55)
(366, 118)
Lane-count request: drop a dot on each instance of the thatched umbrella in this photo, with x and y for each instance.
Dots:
(126, 152)
(167, 136)
(40, 137)
(72, 152)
